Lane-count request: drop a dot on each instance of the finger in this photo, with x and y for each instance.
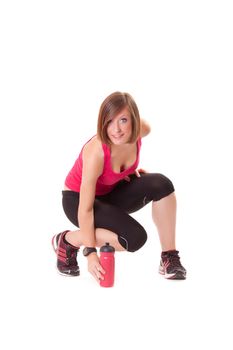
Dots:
(99, 274)
(95, 276)
(100, 269)
(142, 170)
(137, 173)
(127, 178)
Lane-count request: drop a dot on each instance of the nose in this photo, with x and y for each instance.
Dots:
(117, 127)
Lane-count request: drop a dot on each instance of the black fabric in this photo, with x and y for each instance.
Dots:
(111, 211)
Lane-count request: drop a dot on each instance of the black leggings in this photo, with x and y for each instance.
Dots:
(111, 211)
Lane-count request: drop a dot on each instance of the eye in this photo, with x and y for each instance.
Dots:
(123, 120)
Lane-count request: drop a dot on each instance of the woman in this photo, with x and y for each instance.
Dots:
(104, 187)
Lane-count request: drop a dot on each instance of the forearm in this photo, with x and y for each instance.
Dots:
(86, 224)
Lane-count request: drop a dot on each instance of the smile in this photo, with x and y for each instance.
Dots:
(117, 136)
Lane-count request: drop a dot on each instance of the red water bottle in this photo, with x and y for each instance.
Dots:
(107, 261)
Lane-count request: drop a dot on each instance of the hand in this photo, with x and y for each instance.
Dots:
(94, 267)
(137, 173)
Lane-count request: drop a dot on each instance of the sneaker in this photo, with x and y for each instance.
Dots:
(66, 256)
(171, 267)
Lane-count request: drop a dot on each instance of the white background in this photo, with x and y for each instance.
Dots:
(59, 60)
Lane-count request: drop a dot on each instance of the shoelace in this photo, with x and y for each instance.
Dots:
(174, 259)
(71, 255)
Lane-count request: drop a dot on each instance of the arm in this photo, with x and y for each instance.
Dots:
(92, 168)
(144, 128)
(144, 131)
(93, 162)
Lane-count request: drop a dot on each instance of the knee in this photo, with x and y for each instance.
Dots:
(134, 240)
(162, 187)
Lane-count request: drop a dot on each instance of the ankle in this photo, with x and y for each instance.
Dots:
(168, 251)
(72, 239)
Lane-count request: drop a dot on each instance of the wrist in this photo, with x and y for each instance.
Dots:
(92, 256)
(87, 251)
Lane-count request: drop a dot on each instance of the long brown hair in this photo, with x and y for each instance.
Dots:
(110, 107)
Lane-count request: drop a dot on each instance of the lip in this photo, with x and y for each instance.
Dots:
(117, 137)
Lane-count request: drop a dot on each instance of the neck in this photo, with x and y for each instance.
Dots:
(120, 148)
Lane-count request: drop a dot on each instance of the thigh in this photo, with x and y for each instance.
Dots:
(131, 234)
(132, 196)
(70, 203)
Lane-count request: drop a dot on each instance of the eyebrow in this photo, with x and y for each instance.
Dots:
(121, 116)
(124, 115)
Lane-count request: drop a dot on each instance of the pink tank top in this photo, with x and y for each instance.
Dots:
(107, 180)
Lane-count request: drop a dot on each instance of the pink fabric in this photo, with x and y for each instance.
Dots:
(108, 179)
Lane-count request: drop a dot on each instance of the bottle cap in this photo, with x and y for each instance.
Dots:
(107, 248)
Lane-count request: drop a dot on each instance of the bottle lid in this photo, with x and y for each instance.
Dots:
(107, 248)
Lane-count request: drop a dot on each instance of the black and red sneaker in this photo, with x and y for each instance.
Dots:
(66, 255)
(171, 267)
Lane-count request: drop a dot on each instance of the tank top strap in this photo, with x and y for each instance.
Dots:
(139, 142)
(107, 155)
(106, 150)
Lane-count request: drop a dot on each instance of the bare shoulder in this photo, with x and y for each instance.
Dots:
(93, 157)
(94, 146)
(145, 128)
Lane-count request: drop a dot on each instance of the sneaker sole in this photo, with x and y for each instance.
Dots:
(172, 276)
(67, 274)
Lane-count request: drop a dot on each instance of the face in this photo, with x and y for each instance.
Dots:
(120, 127)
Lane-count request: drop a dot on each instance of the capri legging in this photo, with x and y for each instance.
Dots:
(111, 211)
